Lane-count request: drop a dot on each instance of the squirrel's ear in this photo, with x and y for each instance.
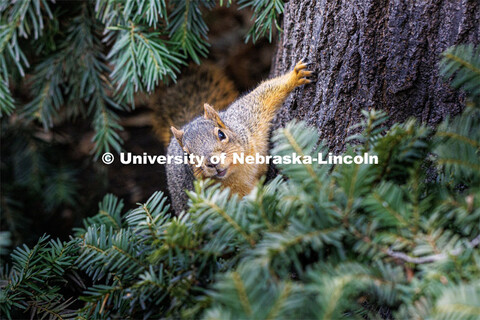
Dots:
(211, 114)
(178, 135)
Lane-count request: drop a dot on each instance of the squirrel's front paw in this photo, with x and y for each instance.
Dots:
(300, 73)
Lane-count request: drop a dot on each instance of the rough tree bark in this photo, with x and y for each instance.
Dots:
(372, 54)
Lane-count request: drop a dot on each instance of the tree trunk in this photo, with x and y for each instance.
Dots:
(372, 54)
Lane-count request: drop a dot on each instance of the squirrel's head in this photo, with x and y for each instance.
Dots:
(209, 137)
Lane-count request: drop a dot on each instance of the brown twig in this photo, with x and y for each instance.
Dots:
(433, 258)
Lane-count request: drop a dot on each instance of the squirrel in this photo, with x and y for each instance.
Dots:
(232, 126)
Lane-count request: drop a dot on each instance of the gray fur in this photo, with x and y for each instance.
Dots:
(199, 140)
(179, 178)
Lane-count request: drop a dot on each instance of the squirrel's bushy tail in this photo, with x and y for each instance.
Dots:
(182, 102)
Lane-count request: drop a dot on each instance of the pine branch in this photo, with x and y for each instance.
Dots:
(150, 10)
(141, 59)
(36, 278)
(434, 258)
(251, 292)
(90, 70)
(149, 219)
(109, 214)
(462, 62)
(188, 30)
(6, 100)
(79, 69)
(21, 20)
(457, 146)
(47, 85)
(299, 139)
(51, 309)
(458, 302)
(373, 128)
(106, 124)
(219, 214)
(265, 16)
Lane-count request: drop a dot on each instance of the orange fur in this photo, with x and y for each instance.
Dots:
(267, 99)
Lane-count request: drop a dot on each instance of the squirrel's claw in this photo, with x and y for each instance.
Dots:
(301, 73)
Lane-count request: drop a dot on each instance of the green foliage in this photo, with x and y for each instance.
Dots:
(141, 59)
(65, 60)
(6, 101)
(458, 139)
(395, 240)
(188, 30)
(89, 59)
(460, 302)
(463, 63)
(142, 258)
(5, 242)
(266, 13)
(35, 179)
(21, 19)
(36, 277)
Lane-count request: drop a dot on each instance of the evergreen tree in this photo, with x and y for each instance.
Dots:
(89, 59)
(64, 60)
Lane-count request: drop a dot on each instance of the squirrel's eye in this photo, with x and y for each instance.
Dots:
(221, 135)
